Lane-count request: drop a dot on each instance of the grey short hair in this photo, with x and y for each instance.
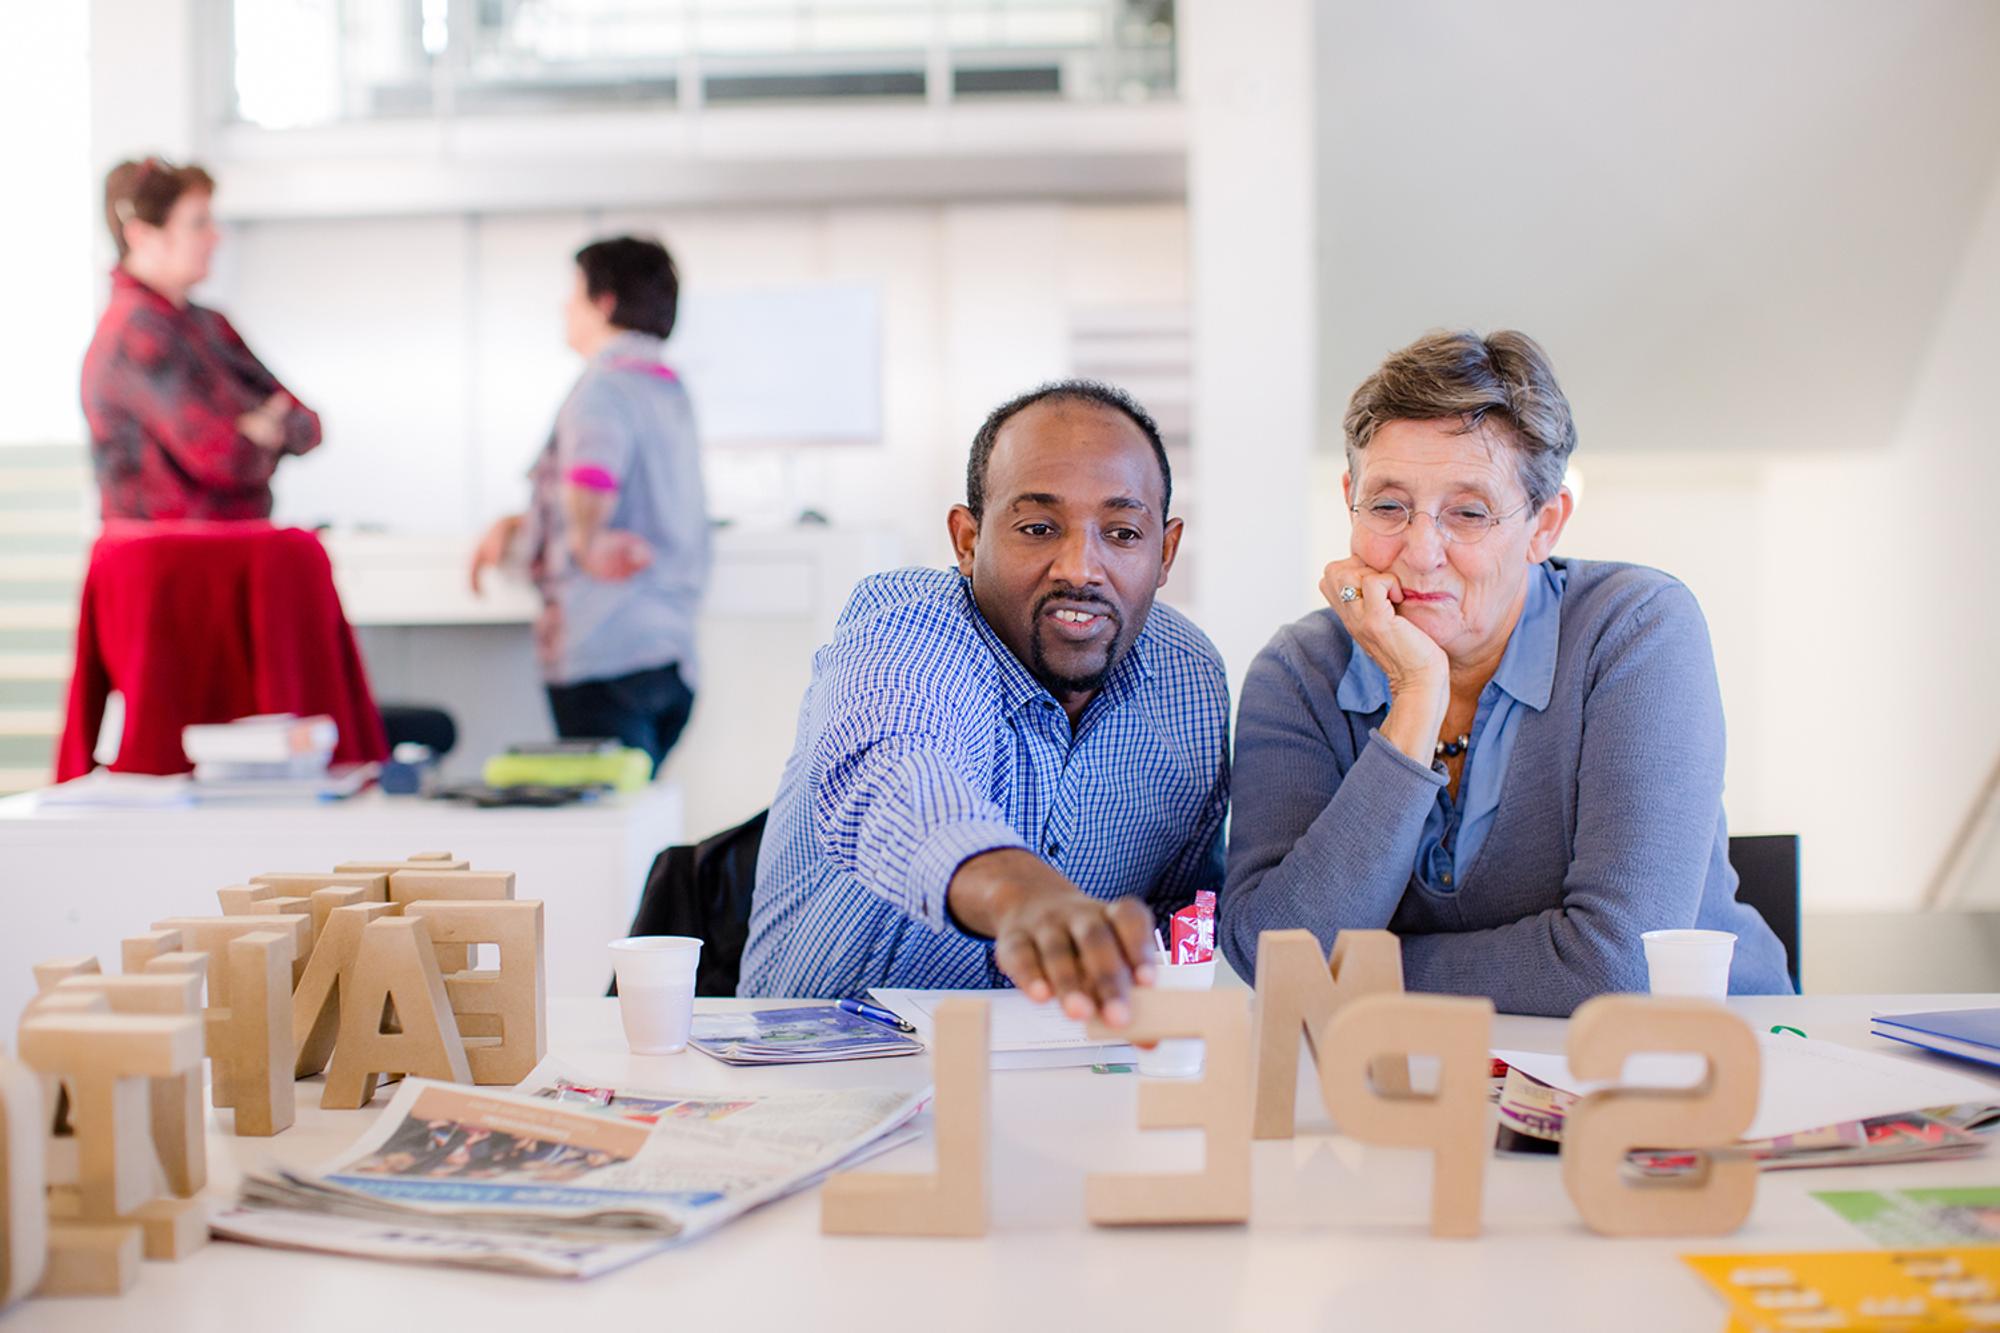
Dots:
(1504, 377)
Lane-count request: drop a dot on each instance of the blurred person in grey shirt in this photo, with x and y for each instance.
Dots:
(616, 534)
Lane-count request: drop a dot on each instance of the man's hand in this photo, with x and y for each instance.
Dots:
(1052, 939)
(548, 634)
(492, 548)
(614, 555)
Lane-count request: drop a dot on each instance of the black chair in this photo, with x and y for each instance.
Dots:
(1767, 875)
(704, 890)
(422, 723)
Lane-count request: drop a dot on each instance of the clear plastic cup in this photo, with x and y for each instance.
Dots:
(656, 990)
(1177, 1057)
(1689, 962)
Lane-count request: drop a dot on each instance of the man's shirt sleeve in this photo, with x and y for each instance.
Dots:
(596, 436)
(897, 799)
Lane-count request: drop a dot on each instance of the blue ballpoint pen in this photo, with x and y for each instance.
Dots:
(876, 1013)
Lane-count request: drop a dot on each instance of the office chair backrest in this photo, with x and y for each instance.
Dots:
(704, 890)
(1767, 873)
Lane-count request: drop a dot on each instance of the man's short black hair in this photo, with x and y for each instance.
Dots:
(1062, 391)
(640, 275)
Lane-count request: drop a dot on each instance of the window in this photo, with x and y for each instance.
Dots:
(315, 62)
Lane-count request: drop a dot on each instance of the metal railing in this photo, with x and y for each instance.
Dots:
(44, 520)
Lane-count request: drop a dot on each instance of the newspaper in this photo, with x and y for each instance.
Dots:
(559, 1178)
(1532, 1114)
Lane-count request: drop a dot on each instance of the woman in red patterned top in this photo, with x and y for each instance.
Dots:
(184, 421)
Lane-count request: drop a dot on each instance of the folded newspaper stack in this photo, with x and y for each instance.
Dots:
(561, 1179)
(1532, 1114)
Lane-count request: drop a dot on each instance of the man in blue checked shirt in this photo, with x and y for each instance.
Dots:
(1011, 771)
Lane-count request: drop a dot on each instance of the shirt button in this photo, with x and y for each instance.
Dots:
(1053, 849)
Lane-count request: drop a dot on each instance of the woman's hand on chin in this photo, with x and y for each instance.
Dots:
(1418, 671)
(1410, 658)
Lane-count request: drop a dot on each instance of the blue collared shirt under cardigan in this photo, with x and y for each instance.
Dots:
(923, 741)
(1598, 814)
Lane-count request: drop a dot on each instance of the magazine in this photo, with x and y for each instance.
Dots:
(1532, 1115)
(799, 1035)
(561, 1178)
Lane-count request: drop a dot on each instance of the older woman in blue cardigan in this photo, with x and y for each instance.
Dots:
(1513, 761)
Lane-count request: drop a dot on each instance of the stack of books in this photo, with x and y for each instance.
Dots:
(274, 756)
(1967, 1034)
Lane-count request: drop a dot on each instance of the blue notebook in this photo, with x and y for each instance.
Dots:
(1968, 1034)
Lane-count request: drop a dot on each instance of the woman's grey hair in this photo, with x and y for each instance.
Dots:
(1503, 378)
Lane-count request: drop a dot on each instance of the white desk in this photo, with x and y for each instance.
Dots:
(1337, 1237)
(78, 880)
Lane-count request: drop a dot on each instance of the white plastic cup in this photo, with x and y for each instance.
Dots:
(1689, 962)
(1177, 1057)
(656, 990)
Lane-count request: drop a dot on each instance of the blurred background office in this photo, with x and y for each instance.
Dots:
(1761, 242)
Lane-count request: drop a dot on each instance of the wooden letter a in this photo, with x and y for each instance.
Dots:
(397, 971)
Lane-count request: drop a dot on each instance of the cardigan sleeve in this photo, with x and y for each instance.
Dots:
(1297, 856)
(1648, 793)
(154, 380)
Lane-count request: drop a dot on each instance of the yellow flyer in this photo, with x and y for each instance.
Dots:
(1858, 1291)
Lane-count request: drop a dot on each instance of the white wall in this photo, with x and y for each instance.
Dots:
(46, 224)
(1885, 596)
(432, 347)
(1731, 224)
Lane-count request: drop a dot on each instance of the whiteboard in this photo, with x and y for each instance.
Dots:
(798, 364)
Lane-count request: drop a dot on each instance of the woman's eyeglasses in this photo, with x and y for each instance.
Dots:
(1462, 524)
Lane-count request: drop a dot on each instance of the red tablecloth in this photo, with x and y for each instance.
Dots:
(209, 622)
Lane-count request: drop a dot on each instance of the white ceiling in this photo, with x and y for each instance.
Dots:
(1733, 223)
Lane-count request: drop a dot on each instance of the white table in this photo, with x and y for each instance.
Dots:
(1337, 1236)
(78, 880)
